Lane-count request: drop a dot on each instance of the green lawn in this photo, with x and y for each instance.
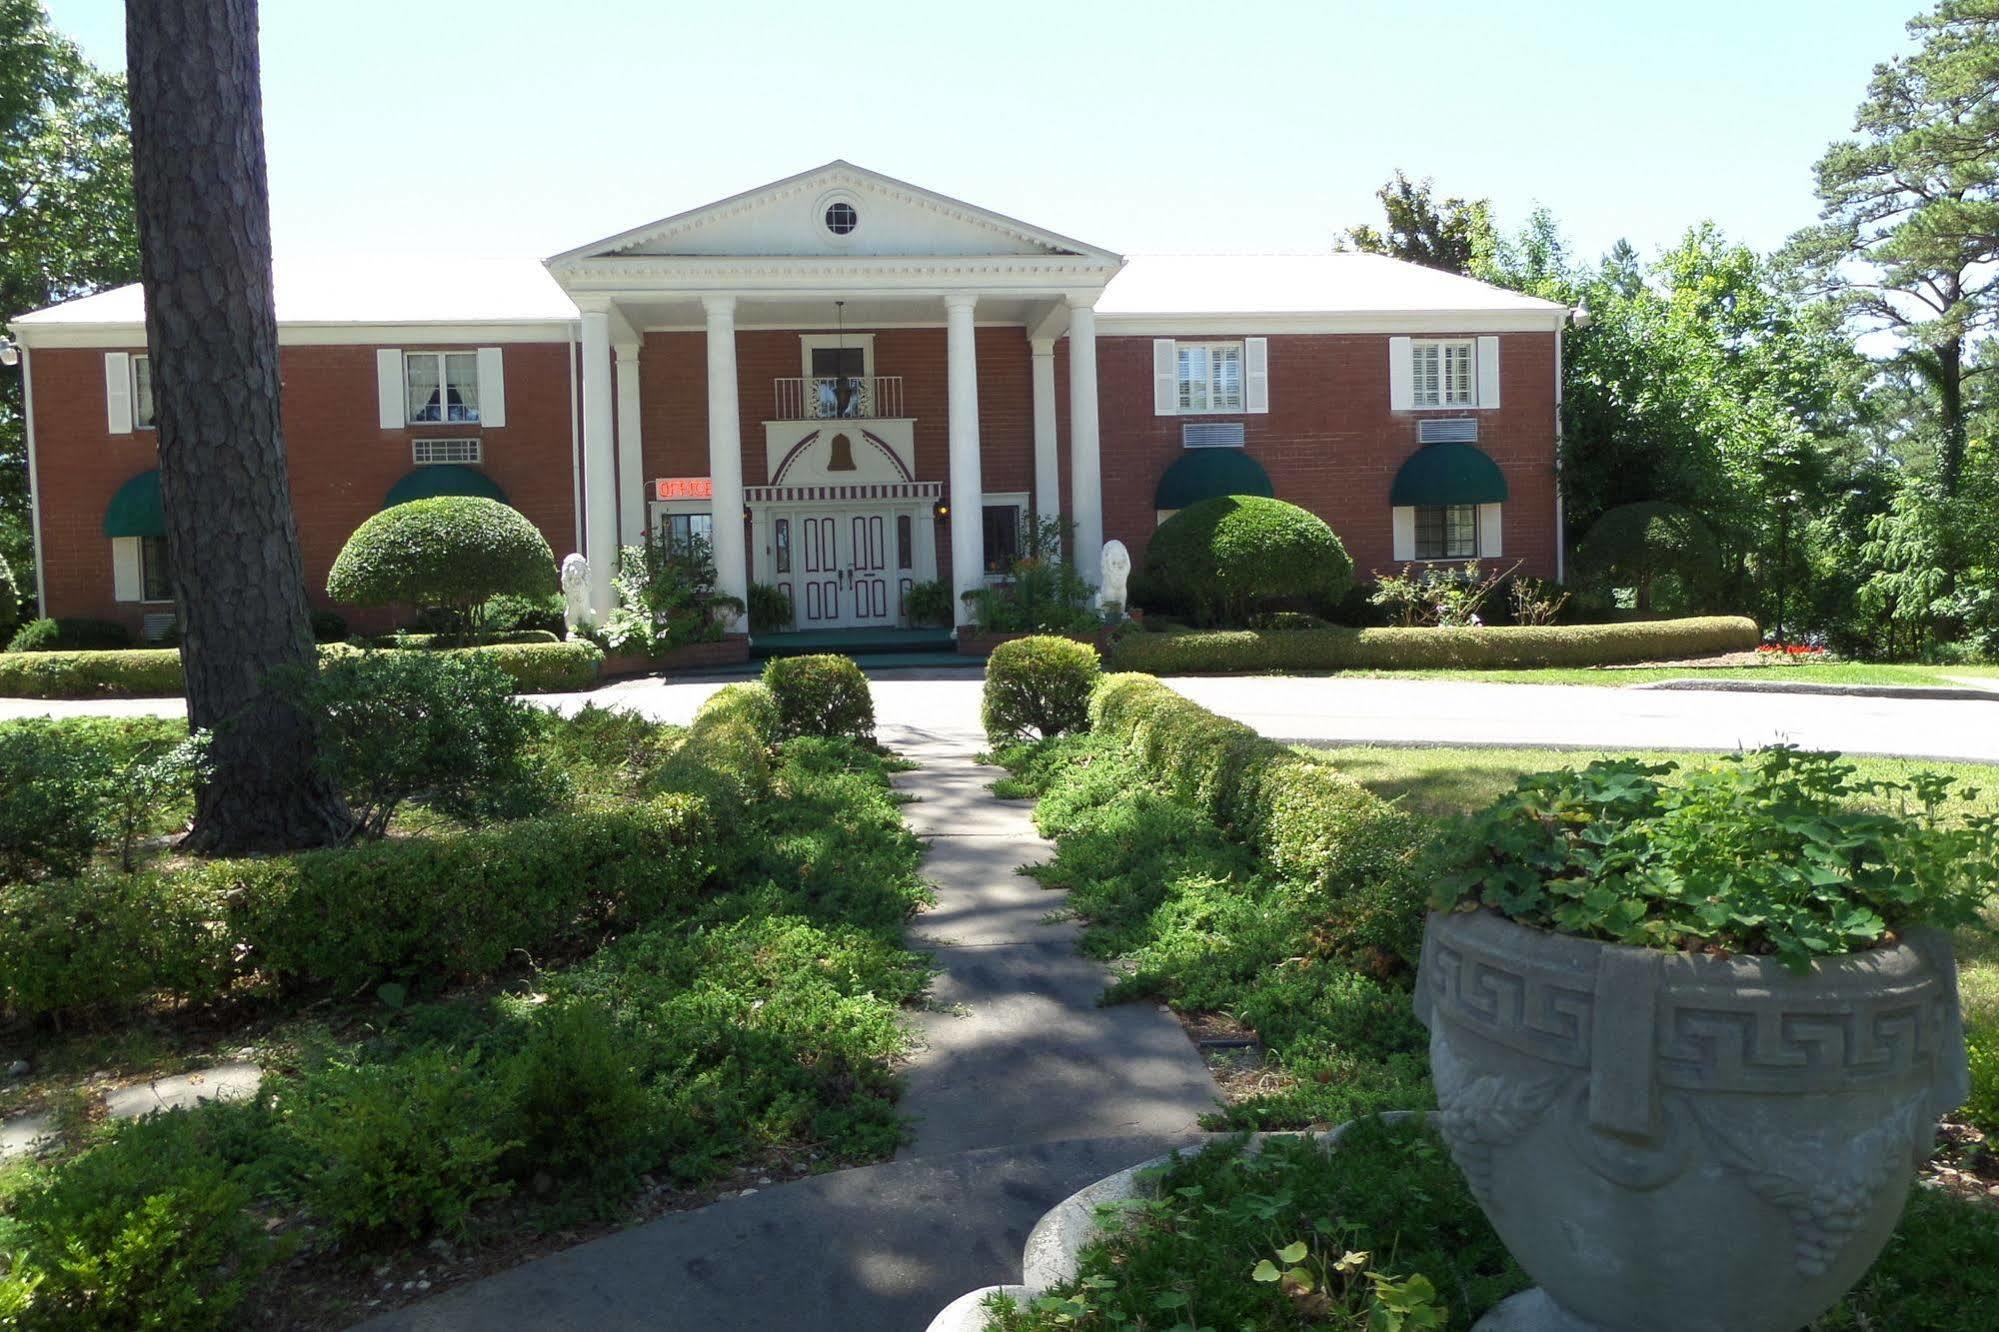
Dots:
(1836, 672)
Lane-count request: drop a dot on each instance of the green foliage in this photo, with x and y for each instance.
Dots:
(1378, 1231)
(1452, 234)
(581, 1110)
(1763, 854)
(108, 941)
(1227, 557)
(10, 599)
(825, 695)
(51, 802)
(1041, 592)
(535, 667)
(402, 1150)
(328, 626)
(1981, 1109)
(513, 615)
(725, 755)
(1439, 596)
(149, 1229)
(929, 604)
(667, 596)
(453, 551)
(440, 728)
(70, 634)
(1940, 1271)
(770, 608)
(540, 668)
(1493, 647)
(162, 775)
(1664, 552)
(1037, 688)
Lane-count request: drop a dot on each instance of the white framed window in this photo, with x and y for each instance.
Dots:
(1444, 373)
(1447, 532)
(1210, 376)
(441, 386)
(1003, 531)
(682, 522)
(154, 583)
(446, 451)
(142, 392)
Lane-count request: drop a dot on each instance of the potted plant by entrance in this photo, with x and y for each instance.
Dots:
(1691, 1031)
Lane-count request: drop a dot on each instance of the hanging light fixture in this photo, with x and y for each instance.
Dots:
(846, 387)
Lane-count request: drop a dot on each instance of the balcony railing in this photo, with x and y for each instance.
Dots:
(830, 399)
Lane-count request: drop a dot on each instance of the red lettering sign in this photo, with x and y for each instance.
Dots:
(683, 488)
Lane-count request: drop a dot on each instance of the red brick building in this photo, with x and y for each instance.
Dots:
(851, 385)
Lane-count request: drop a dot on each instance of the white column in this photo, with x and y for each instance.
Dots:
(968, 556)
(1047, 466)
(725, 448)
(600, 475)
(631, 454)
(1086, 482)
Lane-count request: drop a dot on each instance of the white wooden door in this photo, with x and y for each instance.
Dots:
(844, 561)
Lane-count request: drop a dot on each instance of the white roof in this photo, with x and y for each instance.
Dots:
(1300, 284)
(367, 289)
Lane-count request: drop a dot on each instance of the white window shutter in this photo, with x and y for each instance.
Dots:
(1165, 377)
(118, 392)
(389, 388)
(1401, 380)
(126, 582)
(1405, 532)
(492, 388)
(1488, 372)
(1256, 374)
(1490, 546)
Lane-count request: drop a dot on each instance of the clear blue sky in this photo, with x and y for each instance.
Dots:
(503, 126)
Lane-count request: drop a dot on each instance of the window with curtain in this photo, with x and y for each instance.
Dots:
(1210, 376)
(443, 386)
(1444, 374)
(1447, 532)
(142, 392)
(153, 580)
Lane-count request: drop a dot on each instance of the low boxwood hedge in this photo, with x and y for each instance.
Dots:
(1038, 687)
(1311, 822)
(1498, 647)
(536, 667)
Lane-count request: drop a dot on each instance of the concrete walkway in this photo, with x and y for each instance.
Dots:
(1017, 1049)
(1024, 1091)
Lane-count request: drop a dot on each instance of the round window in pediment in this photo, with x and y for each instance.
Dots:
(841, 217)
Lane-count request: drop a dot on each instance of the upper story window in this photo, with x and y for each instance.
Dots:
(1444, 374)
(1210, 376)
(841, 217)
(441, 386)
(142, 393)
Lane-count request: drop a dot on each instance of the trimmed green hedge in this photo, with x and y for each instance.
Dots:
(1226, 556)
(1499, 647)
(824, 695)
(460, 640)
(535, 667)
(1037, 687)
(1313, 823)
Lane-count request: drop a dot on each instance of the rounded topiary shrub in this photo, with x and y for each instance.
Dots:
(820, 695)
(1225, 557)
(70, 635)
(454, 551)
(1038, 686)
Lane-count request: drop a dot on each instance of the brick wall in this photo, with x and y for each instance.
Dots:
(342, 462)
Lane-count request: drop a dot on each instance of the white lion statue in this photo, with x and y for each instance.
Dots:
(1116, 573)
(575, 592)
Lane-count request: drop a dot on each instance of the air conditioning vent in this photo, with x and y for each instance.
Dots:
(1211, 435)
(1448, 430)
(446, 450)
(157, 626)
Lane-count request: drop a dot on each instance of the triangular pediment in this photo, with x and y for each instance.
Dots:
(837, 211)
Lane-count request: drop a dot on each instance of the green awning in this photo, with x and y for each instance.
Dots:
(136, 511)
(1448, 474)
(448, 479)
(1200, 474)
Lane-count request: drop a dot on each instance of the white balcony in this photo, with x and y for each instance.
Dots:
(838, 397)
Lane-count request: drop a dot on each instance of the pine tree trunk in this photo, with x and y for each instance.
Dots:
(211, 329)
(1950, 400)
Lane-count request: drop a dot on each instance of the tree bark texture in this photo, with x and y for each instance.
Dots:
(211, 329)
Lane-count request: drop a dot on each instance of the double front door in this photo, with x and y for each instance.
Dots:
(845, 563)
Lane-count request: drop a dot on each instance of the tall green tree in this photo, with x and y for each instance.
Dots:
(212, 332)
(1449, 234)
(66, 223)
(1909, 220)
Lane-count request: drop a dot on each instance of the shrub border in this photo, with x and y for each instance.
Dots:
(156, 672)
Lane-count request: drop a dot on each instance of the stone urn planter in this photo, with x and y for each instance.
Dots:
(1672, 1141)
